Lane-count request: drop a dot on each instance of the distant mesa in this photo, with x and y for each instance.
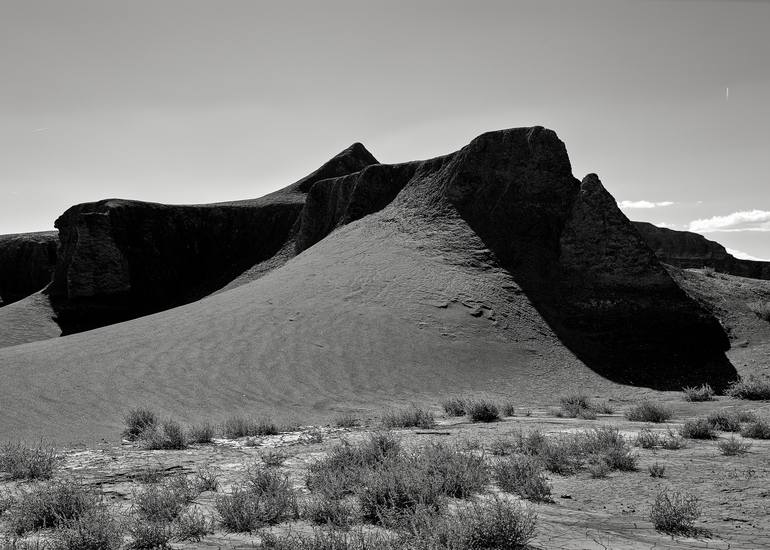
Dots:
(688, 250)
(27, 262)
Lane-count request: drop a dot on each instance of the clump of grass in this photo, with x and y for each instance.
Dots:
(522, 475)
(266, 498)
(137, 421)
(649, 411)
(454, 406)
(164, 501)
(501, 446)
(751, 388)
(674, 513)
(347, 420)
(656, 470)
(508, 408)
(482, 410)
(673, 441)
(412, 417)
(598, 468)
(202, 433)
(149, 535)
(192, 525)
(758, 429)
(647, 439)
(733, 446)
(699, 428)
(273, 459)
(703, 392)
(51, 504)
(96, 529)
(725, 421)
(460, 474)
(168, 435)
(241, 426)
(22, 462)
(577, 405)
(313, 436)
(760, 309)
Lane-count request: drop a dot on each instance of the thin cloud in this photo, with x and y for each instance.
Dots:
(743, 256)
(745, 220)
(644, 204)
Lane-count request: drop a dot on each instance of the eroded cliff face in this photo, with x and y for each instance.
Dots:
(27, 262)
(121, 259)
(690, 250)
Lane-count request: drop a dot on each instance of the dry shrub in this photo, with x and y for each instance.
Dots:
(674, 513)
(733, 446)
(137, 421)
(759, 429)
(347, 420)
(522, 475)
(482, 410)
(752, 388)
(96, 529)
(266, 498)
(241, 426)
(412, 417)
(51, 504)
(164, 501)
(649, 411)
(760, 309)
(656, 470)
(454, 406)
(700, 393)
(168, 435)
(202, 433)
(22, 462)
(699, 428)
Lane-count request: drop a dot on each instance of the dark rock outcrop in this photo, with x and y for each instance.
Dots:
(121, 259)
(688, 250)
(27, 262)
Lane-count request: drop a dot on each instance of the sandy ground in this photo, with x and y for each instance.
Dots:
(610, 513)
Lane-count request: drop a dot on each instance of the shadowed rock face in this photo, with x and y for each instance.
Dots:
(122, 259)
(26, 264)
(691, 250)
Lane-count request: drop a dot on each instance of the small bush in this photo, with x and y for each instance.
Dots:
(607, 443)
(460, 474)
(700, 428)
(579, 406)
(51, 504)
(454, 406)
(759, 429)
(753, 389)
(240, 426)
(168, 435)
(649, 411)
(699, 393)
(163, 502)
(137, 421)
(347, 421)
(508, 409)
(502, 447)
(93, 530)
(412, 417)
(760, 309)
(724, 421)
(192, 525)
(149, 535)
(673, 441)
(647, 439)
(483, 411)
(656, 470)
(598, 468)
(206, 479)
(273, 459)
(522, 475)
(259, 503)
(674, 513)
(733, 446)
(22, 462)
(325, 511)
(202, 433)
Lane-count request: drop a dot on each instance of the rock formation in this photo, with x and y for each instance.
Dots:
(26, 264)
(121, 259)
(688, 250)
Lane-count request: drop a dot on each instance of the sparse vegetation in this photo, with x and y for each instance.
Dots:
(703, 392)
(149, 535)
(322, 510)
(728, 421)
(412, 417)
(206, 479)
(699, 428)
(273, 459)
(649, 411)
(674, 513)
(508, 408)
(522, 475)
(192, 525)
(137, 421)
(733, 446)
(761, 309)
(579, 406)
(202, 433)
(241, 426)
(753, 389)
(22, 462)
(96, 529)
(347, 420)
(266, 498)
(454, 406)
(482, 410)
(758, 429)
(164, 501)
(647, 439)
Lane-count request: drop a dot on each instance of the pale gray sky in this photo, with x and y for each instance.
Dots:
(186, 101)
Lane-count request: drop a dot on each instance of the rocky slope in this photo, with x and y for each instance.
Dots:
(27, 262)
(691, 250)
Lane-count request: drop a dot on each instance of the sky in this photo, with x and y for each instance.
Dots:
(190, 101)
